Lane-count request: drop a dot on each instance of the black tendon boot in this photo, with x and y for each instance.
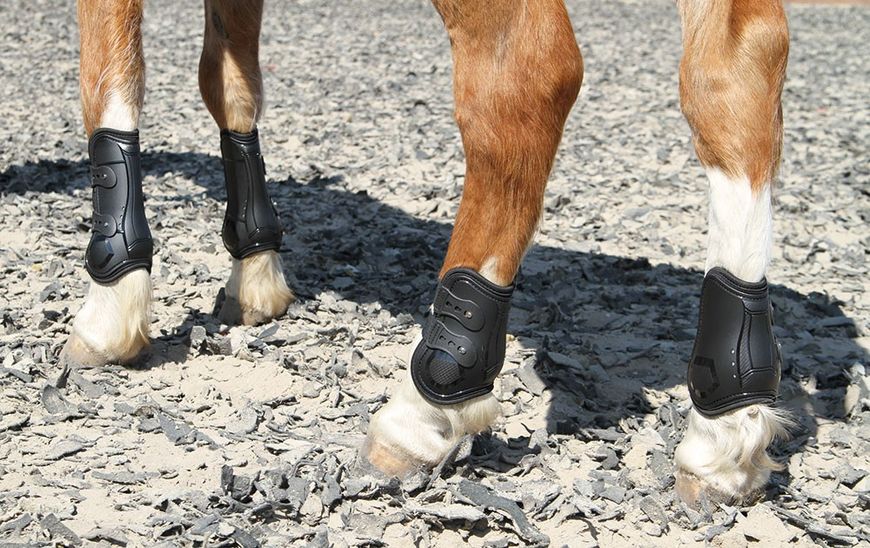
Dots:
(463, 344)
(121, 241)
(736, 361)
(251, 223)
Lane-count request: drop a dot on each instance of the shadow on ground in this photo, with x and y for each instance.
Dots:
(624, 324)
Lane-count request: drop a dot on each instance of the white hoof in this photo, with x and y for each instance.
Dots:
(256, 291)
(724, 459)
(409, 432)
(112, 325)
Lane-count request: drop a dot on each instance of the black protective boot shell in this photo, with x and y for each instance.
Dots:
(251, 223)
(736, 360)
(463, 344)
(121, 241)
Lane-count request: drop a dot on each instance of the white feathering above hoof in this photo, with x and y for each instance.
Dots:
(112, 325)
(256, 291)
(410, 432)
(725, 458)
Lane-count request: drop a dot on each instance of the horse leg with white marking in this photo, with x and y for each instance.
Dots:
(517, 72)
(731, 79)
(232, 89)
(112, 325)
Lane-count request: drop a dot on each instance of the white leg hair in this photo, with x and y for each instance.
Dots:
(740, 227)
(112, 325)
(409, 432)
(119, 114)
(725, 457)
(256, 291)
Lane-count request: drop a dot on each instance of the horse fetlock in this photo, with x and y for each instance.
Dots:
(256, 291)
(725, 459)
(411, 433)
(112, 325)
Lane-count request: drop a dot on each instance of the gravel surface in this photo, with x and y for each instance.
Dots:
(248, 436)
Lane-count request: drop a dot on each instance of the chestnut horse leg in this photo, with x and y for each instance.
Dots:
(232, 89)
(517, 72)
(731, 79)
(112, 325)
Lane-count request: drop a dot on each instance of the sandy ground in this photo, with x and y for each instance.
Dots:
(248, 436)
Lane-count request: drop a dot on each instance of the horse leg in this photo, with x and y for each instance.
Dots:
(731, 79)
(232, 89)
(112, 325)
(517, 72)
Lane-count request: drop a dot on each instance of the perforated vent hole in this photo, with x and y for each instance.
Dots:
(444, 371)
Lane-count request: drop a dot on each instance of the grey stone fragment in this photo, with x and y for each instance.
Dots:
(64, 448)
(296, 492)
(530, 377)
(205, 524)
(262, 510)
(836, 321)
(55, 403)
(111, 536)
(244, 539)
(848, 475)
(586, 506)
(177, 432)
(14, 421)
(238, 487)
(654, 511)
(149, 424)
(20, 375)
(90, 389)
(448, 459)
(585, 488)
(416, 481)
(614, 493)
(810, 525)
(321, 538)
(198, 335)
(58, 530)
(661, 467)
(447, 512)
(355, 486)
(16, 524)
(244, 422)
(331, 492)
(482, 496)
(122, 478)
(609, 435)
(220, 345)
(607, 456)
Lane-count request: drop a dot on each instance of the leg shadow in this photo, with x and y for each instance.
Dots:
(609, 335)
